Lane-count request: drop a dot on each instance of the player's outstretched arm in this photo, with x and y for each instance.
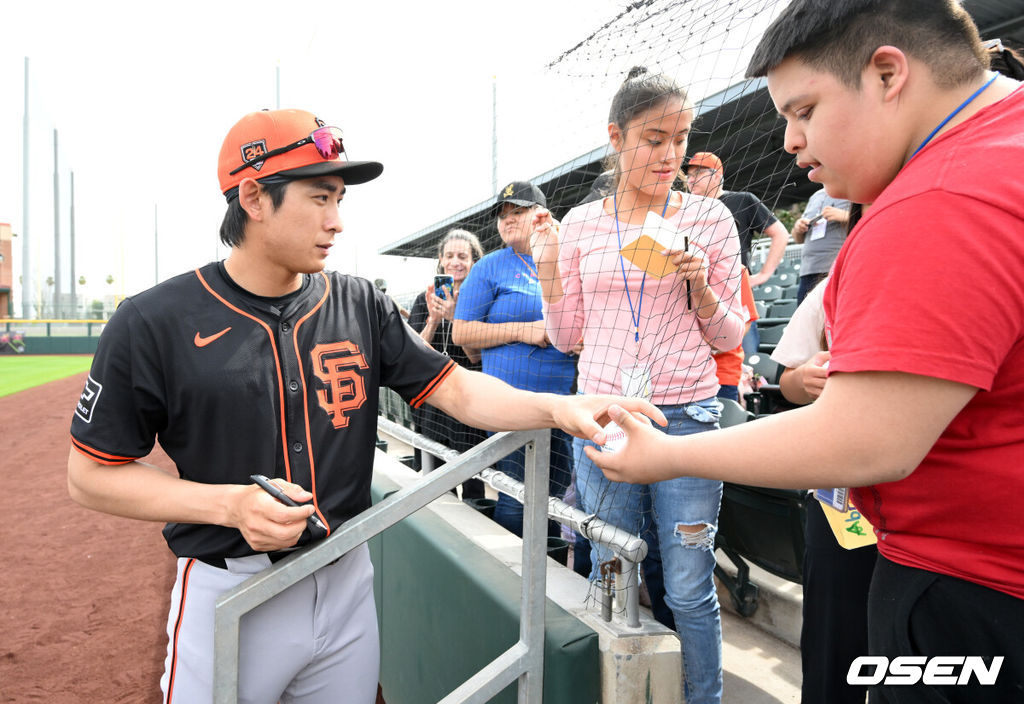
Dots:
(865, 428)
(485, 402)
(142, 491)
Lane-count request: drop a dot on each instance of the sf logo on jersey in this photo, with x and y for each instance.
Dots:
(336, 365)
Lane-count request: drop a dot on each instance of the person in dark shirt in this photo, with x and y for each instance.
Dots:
(704, 177)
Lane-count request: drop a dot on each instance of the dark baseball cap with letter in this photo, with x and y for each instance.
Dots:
(521, 193)
(286, 144)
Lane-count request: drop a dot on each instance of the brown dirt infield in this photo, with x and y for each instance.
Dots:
(83, 595)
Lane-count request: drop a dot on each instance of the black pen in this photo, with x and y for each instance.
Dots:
(686, 248)
(274, 491)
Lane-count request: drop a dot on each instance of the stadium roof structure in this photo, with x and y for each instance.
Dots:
(739, 124)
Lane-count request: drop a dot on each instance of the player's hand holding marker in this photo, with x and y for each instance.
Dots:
(266, 523)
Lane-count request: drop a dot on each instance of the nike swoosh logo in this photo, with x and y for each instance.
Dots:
(204, 341)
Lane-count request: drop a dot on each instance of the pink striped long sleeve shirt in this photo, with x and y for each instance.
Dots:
(674, 345)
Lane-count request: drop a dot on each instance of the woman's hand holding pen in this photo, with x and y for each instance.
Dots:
(544, 240)
(544, 249)
(266, 523)
(692, 267)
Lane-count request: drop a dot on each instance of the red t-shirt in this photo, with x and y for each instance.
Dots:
(730, 364)
(931, 282)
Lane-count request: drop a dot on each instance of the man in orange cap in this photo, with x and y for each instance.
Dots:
(704, 176)
(265, 364)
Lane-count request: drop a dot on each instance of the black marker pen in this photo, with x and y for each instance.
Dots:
(274, 491)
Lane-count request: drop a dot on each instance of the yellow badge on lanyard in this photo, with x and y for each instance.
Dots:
(851, 529)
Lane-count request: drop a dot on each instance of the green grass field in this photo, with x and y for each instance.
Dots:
(25, 371)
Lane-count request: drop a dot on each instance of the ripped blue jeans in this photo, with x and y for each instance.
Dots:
(688, 558)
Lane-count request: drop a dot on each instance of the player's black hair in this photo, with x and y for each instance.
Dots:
(840, 37)
(475, 250)
(232, 228)
(639, 92)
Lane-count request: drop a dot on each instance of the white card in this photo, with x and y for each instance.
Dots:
(661, 231)
(818, 229)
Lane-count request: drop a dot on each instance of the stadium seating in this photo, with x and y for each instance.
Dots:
(769, 337)
(733, 413)
(782, 279)
(767, 293)
(782, 308)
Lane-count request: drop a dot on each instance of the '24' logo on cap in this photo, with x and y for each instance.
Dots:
(252, 150)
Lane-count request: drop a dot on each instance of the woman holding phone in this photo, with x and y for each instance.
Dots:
(499, 313)
(431, 317)
(650, 323)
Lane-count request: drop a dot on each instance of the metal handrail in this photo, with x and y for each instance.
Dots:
(629, 548)
(523, 661)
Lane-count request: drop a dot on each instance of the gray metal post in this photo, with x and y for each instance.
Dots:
(628, 586)
(27, 291)
(56, 233)
(71, 259)
(535, 540)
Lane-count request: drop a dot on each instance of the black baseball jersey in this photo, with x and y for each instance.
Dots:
(233, 384)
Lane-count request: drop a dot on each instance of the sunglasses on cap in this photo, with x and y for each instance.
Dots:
(327, 141)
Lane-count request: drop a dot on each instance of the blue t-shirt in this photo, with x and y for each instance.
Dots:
(503, 288)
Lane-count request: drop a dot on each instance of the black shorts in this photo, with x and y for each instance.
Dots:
(916, 612)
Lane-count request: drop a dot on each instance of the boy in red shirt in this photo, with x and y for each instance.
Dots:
(891, 103)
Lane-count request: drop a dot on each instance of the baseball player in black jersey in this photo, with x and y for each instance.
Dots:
(266, 364)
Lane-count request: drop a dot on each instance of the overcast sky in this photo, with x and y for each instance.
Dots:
(142, 95)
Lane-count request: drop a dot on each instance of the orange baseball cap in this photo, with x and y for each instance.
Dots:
(268, 130)
(705, 160)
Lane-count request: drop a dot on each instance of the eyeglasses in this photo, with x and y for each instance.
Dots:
(700, 172)
(327, 141)
(518, 210)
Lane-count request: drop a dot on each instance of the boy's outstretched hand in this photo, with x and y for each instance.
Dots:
(645, 457)
(585, 416)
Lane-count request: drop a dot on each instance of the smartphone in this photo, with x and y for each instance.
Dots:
(444, 285)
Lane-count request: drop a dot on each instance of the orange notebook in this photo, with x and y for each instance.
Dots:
(646, 252)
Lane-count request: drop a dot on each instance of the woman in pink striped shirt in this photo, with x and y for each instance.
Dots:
(651, 333)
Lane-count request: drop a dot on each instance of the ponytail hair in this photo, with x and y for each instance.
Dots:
(640, 91)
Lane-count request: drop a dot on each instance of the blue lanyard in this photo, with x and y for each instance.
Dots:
(953, 114)
(635, 317)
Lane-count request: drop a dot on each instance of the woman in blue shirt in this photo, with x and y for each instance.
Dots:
(499, 313)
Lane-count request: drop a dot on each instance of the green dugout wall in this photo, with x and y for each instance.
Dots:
(447, 608)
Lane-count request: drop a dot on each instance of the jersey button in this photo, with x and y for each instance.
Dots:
(286, 326)
(294, 385)
(297, 446)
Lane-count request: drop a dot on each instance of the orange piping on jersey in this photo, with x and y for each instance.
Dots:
(305, 399)
(177, 627)
(432, 386)
(97, 456)
(277, 365)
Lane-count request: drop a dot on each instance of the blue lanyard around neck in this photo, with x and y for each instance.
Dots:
(953, 114)
(634, 317)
